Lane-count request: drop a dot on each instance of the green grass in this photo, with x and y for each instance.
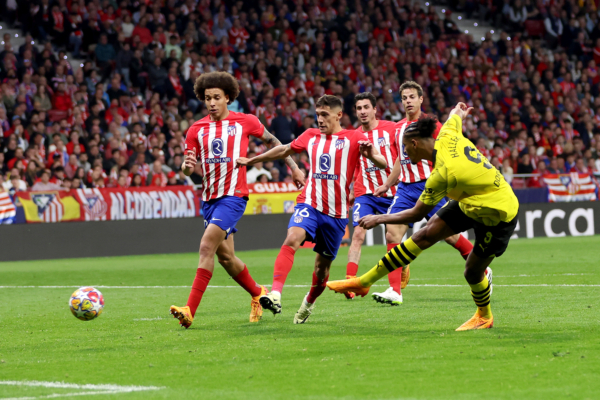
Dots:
(545, 343)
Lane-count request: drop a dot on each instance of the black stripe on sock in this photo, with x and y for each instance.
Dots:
(482, 305)
(487, 288)
(387, 264)
(408, 253)
(400, 256)
(481, 295)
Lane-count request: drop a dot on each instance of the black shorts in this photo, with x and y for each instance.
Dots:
(490, 241)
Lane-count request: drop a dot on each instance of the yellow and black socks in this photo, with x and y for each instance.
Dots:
(481, 295)
(399, 256)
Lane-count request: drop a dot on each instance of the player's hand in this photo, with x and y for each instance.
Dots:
(298, 178)
(381, 190)
(369, 221)
(365, 148)
(190, 160)
(462, 110)
(242, 162)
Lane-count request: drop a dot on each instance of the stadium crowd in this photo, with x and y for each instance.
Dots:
(120, 118)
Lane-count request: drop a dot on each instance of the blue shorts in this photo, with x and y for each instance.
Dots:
(325, 231)
(368, 204)
(406, 197)
(225, 212)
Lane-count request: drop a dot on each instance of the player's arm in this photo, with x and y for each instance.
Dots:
(276, 153)
(369, 151)
(391, 180)
(297, 176)
(453, 125)
(436, 189)
(190, 162)
(415, 214)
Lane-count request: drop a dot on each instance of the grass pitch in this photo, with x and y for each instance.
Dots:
(545, 343)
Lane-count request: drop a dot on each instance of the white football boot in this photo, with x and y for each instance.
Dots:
(304, 311)
(388, 297)
(272, 302)
(488, 273)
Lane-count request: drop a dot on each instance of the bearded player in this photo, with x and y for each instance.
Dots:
(322, 208)
(412, 182)
(367, 178)
(217, 140)
(481, 200)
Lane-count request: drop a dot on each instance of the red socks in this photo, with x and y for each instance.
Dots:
(318, 286)
(352, 269)
(198, 287)
(283, 266)
(395, 277)
(245, 280)
(463, 246)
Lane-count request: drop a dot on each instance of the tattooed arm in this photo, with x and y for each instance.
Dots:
(270, 140)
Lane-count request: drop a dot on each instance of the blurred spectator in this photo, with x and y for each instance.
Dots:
(44, 182)
(257, 170)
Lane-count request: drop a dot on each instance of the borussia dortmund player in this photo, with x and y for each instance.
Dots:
(481, 199)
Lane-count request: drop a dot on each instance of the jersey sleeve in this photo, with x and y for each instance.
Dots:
(300, 144)
(191, 141)
(438, 128)
(253, 126)
(452, 127)
(436, 187)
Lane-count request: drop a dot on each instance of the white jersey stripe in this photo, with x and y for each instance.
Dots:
(316, 164)
(388, 156)
(212, 130)
(223, 166)
(309, 185)
(373, 174)
(236, 155)
(344, 178)
(331, 183)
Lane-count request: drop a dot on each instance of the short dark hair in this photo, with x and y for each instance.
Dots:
(329, 101)
(423, 128)
(365, 96)
(411, 85)
(220, 80)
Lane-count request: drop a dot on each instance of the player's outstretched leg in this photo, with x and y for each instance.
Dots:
(239, 272)
(319, 279)
(283, 265)
(401, 255)
(211, 240)
(481, 291)
(465, 247)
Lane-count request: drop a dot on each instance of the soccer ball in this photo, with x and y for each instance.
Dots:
(86, 303)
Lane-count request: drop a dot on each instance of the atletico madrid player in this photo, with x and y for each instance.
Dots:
(412, 181)
(217, 140)
(367, 178)
(322, 208)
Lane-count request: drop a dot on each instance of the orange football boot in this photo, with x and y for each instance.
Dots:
(183, 314)
(256, 310)
(405, 276)
(477, 322)
(349, 285)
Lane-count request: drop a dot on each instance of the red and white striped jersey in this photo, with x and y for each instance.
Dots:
(218, 144)
(411, 173)
(367, 176)
(333, 160)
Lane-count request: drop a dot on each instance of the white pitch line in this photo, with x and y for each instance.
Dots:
(292, 286)
(98, 389)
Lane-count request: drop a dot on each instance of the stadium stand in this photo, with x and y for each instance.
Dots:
(119, 117)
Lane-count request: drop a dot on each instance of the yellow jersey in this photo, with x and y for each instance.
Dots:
(463, 174)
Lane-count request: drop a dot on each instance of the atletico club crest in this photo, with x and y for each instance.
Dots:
(96, 207)
(298, 219)
(340, 143)
(42, 201)
(382, 142)
(231, 130)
